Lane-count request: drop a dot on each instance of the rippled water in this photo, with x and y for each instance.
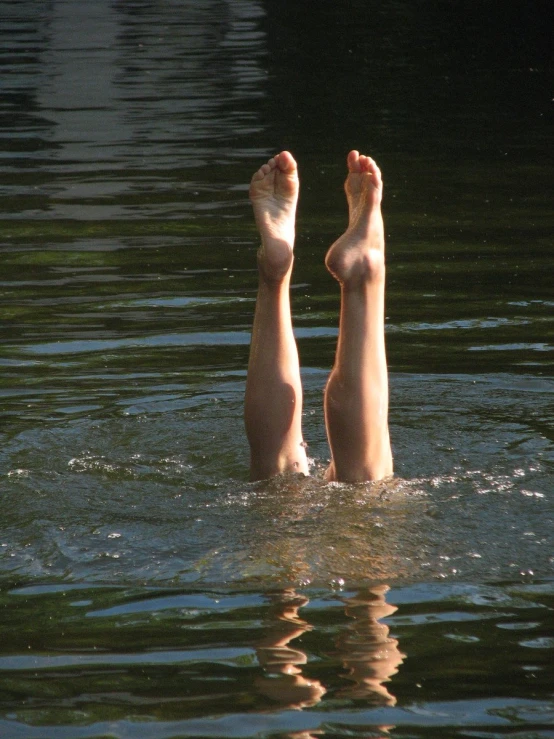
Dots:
(163, 663)
(148, 589)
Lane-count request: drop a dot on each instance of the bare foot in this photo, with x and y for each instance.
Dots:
(274, 194)
(358, 256)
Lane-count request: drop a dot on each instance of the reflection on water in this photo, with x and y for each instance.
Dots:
(364, 648)
(173, 89)
(283, 681)
(367, 650)
(97, 661)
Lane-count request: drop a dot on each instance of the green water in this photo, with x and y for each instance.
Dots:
(146, 588)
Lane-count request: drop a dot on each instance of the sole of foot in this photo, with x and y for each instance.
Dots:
(274, 195)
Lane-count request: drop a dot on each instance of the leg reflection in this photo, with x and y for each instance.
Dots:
(283, 681)
(370, 655)
(365, 649)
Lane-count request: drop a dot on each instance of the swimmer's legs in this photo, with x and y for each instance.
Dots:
(356, 396)
(273, 400)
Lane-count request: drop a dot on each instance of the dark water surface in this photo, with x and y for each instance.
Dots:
(146, 588)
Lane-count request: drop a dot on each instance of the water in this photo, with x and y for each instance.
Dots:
(154, 662)
(149, 590)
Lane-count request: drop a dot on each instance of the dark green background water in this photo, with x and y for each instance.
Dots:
(147, 589)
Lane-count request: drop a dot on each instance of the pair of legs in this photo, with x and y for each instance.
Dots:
(356, 395)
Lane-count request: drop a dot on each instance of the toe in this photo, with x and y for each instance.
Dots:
(366, 163)
(353, 161)
(369, 166)
(286, 162)
(375, 172)
(259, 175)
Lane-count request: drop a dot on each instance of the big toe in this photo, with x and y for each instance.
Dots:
(353, 161)
(286, 162)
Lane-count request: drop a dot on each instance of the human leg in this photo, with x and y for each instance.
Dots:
(356, 396)
(273, 399)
